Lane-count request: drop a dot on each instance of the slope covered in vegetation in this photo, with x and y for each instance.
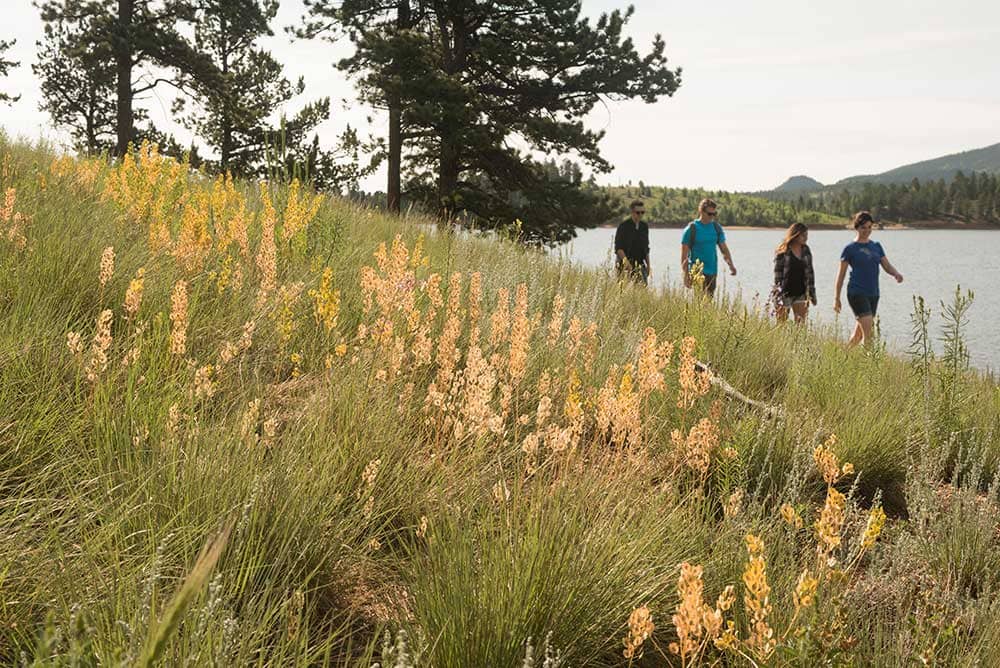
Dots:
(245, 425)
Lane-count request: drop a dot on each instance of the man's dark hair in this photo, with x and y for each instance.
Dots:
(635, 204)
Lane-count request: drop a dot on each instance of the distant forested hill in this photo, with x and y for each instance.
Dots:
(962, 188)
(972, 199)
(981, 160)
(986, 160)
(800, 184)
(678, 206)
(959, 189)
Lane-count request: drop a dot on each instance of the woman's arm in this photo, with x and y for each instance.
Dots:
(840, 284)
(891, 270)
(810, 277)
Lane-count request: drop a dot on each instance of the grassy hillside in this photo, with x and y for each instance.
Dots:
(242, 425)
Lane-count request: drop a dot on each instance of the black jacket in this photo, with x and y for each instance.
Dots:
(634, 240)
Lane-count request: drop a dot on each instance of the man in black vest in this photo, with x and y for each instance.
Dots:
(632, 246)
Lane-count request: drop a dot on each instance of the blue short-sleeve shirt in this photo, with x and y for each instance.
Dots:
(706, 240)
(864, 260)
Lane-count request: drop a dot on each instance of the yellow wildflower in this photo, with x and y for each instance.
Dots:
(640, 627)
(74, 342)
(326, 301)
(791, 516)
(805, 590)
(693, 384)
(876, 520)
(107, 265)
(830, 523)
(133, 295)
(179, 318)
(757, 599)
(99, 348)
(826, 461)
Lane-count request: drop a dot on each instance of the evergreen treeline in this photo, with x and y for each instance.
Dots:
(473, 91)
(970, 199)
(966, 199)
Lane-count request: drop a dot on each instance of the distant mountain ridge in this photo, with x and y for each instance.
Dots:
(986, 159)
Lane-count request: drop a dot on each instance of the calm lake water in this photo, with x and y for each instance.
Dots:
(933, 264)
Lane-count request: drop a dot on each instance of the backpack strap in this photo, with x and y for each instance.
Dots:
(694, 232)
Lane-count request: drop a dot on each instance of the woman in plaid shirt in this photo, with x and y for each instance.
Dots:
(794, 280)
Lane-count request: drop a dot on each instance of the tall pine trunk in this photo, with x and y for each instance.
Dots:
(226, 148)
(447, 175)
(394, 186)
(453, 42)
(394, 101)
(123, 68)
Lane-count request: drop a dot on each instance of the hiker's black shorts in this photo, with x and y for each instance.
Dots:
(863, 305)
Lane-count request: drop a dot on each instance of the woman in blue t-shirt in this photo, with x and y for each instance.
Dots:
(864, 258)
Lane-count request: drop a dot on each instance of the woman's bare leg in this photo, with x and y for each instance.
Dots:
(857, 336)
(866, 323)
(801, 310)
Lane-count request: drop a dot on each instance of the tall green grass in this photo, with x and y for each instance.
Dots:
(105, 506)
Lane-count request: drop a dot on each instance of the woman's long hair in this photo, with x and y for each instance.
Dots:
(794, 232)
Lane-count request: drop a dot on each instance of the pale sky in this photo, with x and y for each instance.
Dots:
(771, 88)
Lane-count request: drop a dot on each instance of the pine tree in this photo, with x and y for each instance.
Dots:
(136, 33)
(389, 63)
(475, 79)
(77, 85)
(5, 66)
(290, 153)
(525, 70)
(251, 81)
(233, 117)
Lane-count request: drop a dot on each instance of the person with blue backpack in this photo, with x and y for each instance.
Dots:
(699, 241)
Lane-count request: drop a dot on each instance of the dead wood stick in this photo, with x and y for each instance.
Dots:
(733, 393)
